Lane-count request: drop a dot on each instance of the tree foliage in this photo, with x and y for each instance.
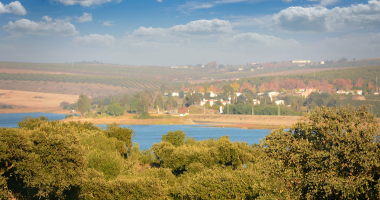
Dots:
(84, 104)
(332, 154)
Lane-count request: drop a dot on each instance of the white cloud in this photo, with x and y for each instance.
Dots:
(13, 7)
(47, 19)
(94, 40)
(159, 0)
(108, 23)
(321, 19)
(85, 3)
(43, 28)
(87, 17)
(199, 27)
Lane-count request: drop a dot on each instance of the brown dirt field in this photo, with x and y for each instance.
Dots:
(23, 101)
(24, 71)
(64, 88)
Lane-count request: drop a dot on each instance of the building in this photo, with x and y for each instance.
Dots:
(256, 102)
(301, 61)
(211, 101)
(273, 94)
(212, 94)
(307, 92)
(175, 94)
(341, 92)
(279, 102)
(237, 94)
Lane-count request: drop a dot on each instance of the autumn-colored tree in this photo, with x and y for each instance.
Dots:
(359, 82)
(235, 86)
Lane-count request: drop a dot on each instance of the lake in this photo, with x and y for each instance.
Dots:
(146, 135)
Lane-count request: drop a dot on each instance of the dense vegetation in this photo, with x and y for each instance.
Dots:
(331, 154)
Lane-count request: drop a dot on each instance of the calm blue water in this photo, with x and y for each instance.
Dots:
(146, 135)
(10, 120)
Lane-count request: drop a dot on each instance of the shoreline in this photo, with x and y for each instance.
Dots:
(223, 121)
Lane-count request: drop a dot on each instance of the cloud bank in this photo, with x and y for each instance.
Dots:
(13, 7)
(321, 19)
(43, 28)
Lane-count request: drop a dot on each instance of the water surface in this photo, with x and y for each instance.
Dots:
(146, 135)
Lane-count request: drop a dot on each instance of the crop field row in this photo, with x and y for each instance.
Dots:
(135, 83)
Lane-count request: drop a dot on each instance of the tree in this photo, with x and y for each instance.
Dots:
(235, 86)
(84, 104)
(359, 82)
(158, 102)
(125, 101)
(331, 154)
(115, 109)
(342, 60)
(44, 160)
(181, 94)
(122, 134)
(176, 138)
(101, 109)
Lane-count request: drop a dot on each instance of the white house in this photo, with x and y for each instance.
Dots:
(273, 94)
(301, 61)
(279, 102)
(341, 92)
(225, 102)
(213, 94)
(175, 94)
(256, 102)
(237, 94)
(211, 101)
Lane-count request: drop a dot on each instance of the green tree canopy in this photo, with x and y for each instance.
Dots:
(84, 104)
(115, 109)
(331, 154)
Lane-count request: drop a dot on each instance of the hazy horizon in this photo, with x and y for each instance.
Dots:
(169, 32)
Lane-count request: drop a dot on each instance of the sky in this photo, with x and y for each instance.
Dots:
(178, 32)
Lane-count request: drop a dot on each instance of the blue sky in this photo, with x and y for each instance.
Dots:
(176, 32)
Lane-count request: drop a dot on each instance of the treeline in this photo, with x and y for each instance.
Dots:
(3, 106)
(316, 159)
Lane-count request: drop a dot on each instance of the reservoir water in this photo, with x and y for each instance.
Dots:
(146, 135)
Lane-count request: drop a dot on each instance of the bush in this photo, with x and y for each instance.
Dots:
(145, 115)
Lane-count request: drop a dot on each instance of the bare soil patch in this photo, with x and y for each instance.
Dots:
(24, 101)
(25, 71)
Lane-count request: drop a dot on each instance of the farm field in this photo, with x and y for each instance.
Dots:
(23, 101)
(65, 88)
